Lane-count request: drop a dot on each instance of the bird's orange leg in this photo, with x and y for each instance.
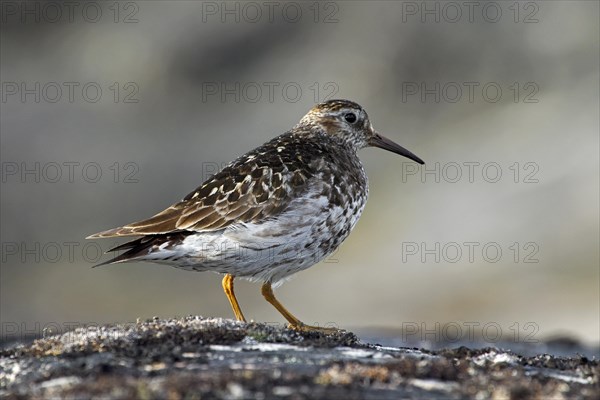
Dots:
(228, 288)
(295, 323)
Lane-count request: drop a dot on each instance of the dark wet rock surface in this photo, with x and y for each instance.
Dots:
(195, 357)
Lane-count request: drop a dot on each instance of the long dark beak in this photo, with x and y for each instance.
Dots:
(384, 143)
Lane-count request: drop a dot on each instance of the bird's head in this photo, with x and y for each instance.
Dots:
(349, 122)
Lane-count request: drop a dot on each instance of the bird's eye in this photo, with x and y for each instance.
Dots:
(350, 117)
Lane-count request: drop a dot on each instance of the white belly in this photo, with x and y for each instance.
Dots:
(307, 232)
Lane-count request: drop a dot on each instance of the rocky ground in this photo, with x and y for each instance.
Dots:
(194, 357)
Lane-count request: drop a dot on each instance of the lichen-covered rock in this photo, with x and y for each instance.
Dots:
(196, 357)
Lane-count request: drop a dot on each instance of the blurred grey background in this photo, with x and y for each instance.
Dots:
(185, 87)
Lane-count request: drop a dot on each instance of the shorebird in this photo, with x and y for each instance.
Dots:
(272, 212)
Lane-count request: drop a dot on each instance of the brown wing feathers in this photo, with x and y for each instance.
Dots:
(162, 222)
(256, 186)
(242, 192)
